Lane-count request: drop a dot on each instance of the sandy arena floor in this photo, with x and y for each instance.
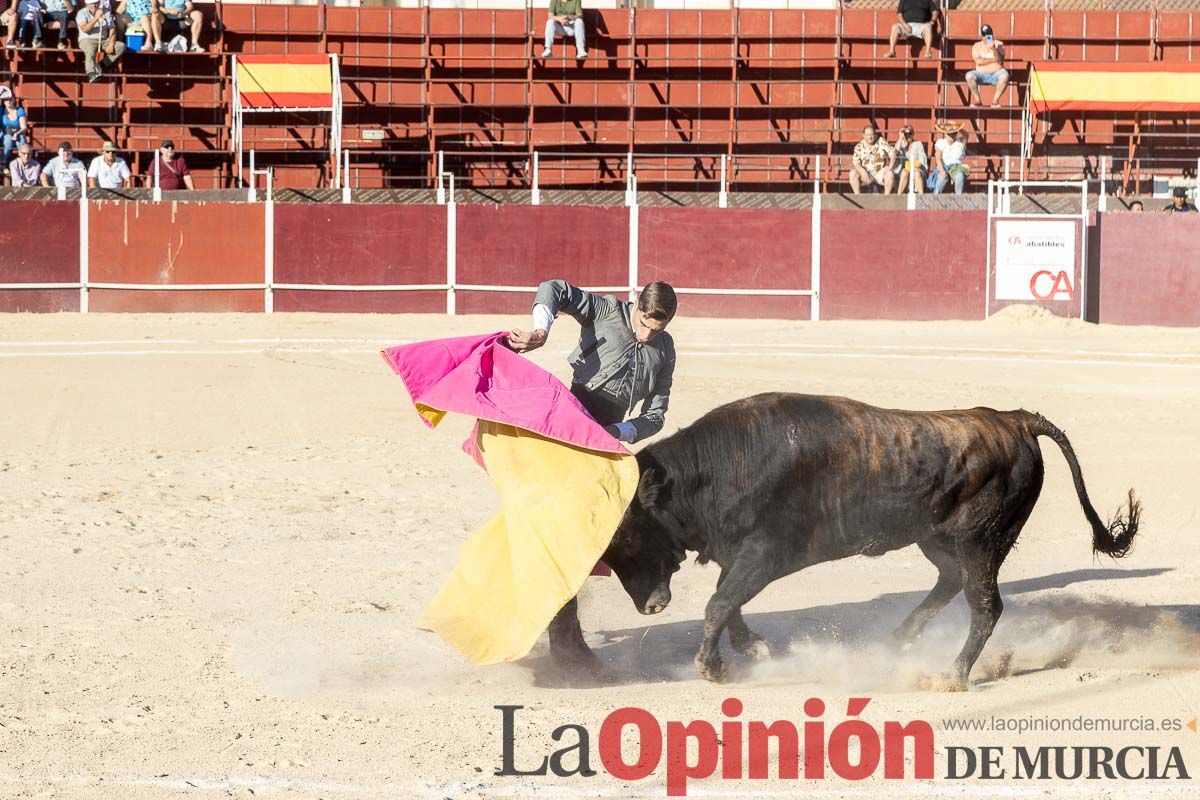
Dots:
(217, 531)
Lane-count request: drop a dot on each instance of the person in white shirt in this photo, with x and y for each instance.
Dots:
(950, 152)
(64, 169)
(108, 170)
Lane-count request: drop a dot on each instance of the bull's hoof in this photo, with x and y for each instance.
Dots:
(755, 648)
(716, 672)
(576, 658)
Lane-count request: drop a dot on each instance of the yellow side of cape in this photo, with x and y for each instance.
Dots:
(560, 506)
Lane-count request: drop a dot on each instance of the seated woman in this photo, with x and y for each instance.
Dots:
(15, 126)
(910, 159)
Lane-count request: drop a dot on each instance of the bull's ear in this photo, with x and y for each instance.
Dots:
(654, 487)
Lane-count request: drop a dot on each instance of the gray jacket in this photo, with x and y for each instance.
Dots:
(607, 344)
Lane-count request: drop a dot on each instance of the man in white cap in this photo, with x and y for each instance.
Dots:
(108, 170)
(97, 38)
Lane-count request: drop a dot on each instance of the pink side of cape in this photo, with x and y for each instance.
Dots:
(480, 377)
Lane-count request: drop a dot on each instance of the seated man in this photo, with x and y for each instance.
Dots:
(177, 16)
(97, 38)
(64, 169)
(871, 163)
(1179, 201)
(173, 171)
(108, 170)
(988, 54)
(565, 17)
(917, 19)
(24, 169)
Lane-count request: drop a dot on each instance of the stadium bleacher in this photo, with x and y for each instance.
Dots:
(771, 85)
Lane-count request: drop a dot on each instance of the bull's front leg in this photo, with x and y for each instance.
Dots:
(753, 568)
(744, 640)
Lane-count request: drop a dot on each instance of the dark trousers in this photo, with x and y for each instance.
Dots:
(566, 636)
(27, 25)
(62, 18)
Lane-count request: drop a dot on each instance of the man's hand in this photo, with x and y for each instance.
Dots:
(525, 341)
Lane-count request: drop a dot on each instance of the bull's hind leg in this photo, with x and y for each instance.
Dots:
(753, 569)
(981, 556)
(942, 552)
(983, 598)
(744, 640)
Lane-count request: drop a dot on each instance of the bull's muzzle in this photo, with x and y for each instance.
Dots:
(659, 599)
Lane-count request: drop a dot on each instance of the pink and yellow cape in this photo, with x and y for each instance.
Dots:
(563, 482)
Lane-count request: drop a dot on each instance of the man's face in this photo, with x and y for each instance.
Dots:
(644, 328)
(168, 152)
(869, 135)
(1179, 201)
(67, 155)
(24, 153)
(109, 156)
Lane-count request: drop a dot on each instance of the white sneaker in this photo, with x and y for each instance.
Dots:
(581, 55)
(546, 53)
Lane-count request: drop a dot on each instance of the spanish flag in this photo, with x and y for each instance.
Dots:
(564, 484)
(279, 81)
(1156, 86)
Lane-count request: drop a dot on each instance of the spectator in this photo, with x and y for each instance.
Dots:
(108, 170)
(97, 39)
(15, 126)
(1137, 206)
(172, 169)
(142, 13)
(29, 21)
(909, 160)
(64, 170)
(177, 16)
(917, 19)
(951, 150)
(988, 53)
(58, 13)
(871, 164)
(565, 17)
(24, 169)
(1179, 201)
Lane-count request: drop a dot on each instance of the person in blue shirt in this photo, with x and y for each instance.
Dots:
(14, 126)
(29, 19)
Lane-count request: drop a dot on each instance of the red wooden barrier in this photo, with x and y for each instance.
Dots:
(876, 264)
(360, 245)
(727, 248)
(917, 265)
(40, 244)
(1148, 270)
(175, 243)
(524, 245)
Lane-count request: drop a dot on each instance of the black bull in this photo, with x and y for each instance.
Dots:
(769, 485)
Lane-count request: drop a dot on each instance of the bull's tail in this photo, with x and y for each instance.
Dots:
(1114, 538)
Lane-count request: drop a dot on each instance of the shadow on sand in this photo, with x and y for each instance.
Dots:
(849, 646)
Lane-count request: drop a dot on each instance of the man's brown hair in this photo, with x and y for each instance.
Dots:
(657, 301)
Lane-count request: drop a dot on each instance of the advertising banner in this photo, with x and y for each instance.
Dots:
(1035, 259)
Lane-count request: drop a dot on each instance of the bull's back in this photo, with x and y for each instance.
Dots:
(848, 477)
